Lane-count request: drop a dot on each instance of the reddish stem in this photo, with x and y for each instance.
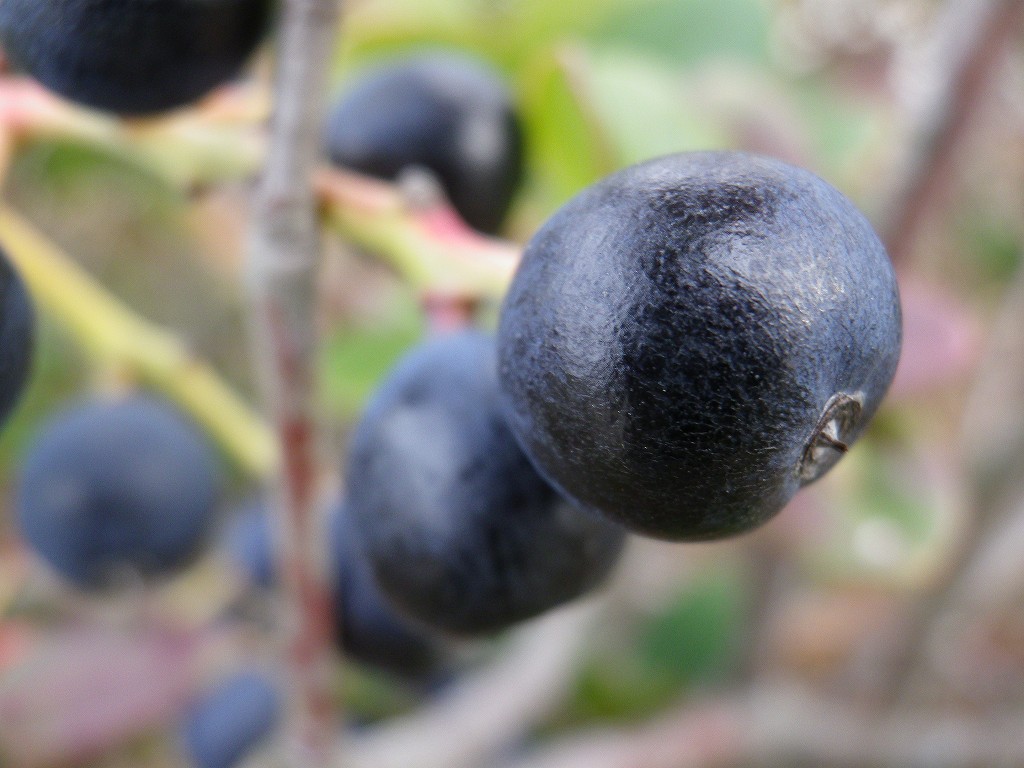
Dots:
(447, 314)
(304, 559)
(282, 263)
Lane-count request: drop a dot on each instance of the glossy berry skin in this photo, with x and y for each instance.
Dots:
(462, 532)
(115, 486)
(369, 630)
(133, 57)
(445, 112)
(17, 336)
(231, 721)
(690, 340)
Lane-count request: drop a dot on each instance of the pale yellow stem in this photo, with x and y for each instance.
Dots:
(112, 332)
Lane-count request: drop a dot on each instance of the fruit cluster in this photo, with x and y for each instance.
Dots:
(684, 345)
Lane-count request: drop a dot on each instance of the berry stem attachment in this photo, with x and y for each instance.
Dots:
(284, 250)
(430, 246)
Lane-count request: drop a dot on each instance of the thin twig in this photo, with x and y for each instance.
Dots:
(789, 724)
(223, 140)
(283, 255)
(967, 47)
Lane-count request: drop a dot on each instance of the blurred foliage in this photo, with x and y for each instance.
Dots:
(692, 640)
(77, 175)
(889, 512)
(996, 247)
(355, 358)
(691, 32)
(601, 84)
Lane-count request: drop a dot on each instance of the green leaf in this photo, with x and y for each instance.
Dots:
(644, 110)
(509, 33)
(686, 32)
(355, 359)
(566, 150)
(695, 639)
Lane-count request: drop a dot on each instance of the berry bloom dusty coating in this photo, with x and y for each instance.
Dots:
(461, 531)
(690, 340)
(446, 112)
(133, 57)
(116, 486)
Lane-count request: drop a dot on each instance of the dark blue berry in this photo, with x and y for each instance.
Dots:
(462, 532)
(689, 341)
(247, 542)
(115, 486)
(132, 57)
(231, 721)
(445, 112)
(17, 335)
(369, 630)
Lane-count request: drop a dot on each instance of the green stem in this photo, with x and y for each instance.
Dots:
(429, 246)
(112, 332)
(186, 149)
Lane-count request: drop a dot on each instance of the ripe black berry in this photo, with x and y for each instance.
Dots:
(690, 340)
(445, 112)
(115, 486)
(247, 542)
(133, 57)
(461, 531)
(230, 721)
(369, 630)
(17, 331)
